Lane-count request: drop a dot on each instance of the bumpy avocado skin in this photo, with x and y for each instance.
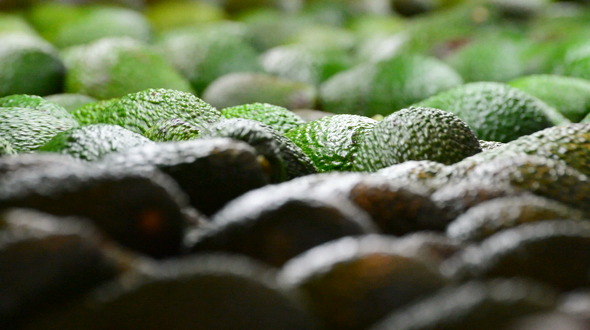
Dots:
(91, 142)
(139, 111)
(495, 111)
(27, 129)
(332, 142)
(212, 171)
(416, 133)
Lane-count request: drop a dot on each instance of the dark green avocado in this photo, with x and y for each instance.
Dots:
(211, 171)
(285, 158)
(139, 208)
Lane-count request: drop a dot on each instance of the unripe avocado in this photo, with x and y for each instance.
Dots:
(415, 133)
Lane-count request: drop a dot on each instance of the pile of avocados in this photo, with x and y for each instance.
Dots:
(282, 164)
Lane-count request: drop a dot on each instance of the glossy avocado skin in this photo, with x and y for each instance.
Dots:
(27, 129)
(568, 143)
(287, 160)
(416, 133)
(137, 112)
(332, 142)
(140, 209)
(211, 171)
(91, 142)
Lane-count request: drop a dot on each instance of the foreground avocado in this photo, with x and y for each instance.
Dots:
(140, 209)
(48, 261)
(485, 305)
(553, 251)
(487, 218)
(352, 282)
(415, 133)
(279, 118)
(211, 171)
(205, 292)
(275, 223)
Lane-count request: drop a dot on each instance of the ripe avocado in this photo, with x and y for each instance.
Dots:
(352, 282)
(286, 159)
(208, 292)
(485, 305)
(555, 252)
(211, 171)
(140, 209)
(487, 218)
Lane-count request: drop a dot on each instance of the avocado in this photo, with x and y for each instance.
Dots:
(277, 117)
(567, 143)
(44, 269)
(489, 145)
(458, 196)
(85, 24)
(309, 64)
(23, 56)
(35, 102)
(203, 55)
(332, 142)
(490, 57)
(6, 148)
(91, 112)
(352, 282)
(211, 171)
(15, 23)
(35, 161)
(546, 177)
(140, 209)
(244, 87)
(277, 223)
(487, 218)
(137, 112)
(386, 86)
(27, 129)
(413, 172)
(91, 142)
(397, 208)
(492, 108)
(568, 95)
(116, 66)
(554, 252)
(173, 129)
(70, 101)
(487, 305)
(209, 292)
(176, 14)
(415, 133)
(286, 160)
